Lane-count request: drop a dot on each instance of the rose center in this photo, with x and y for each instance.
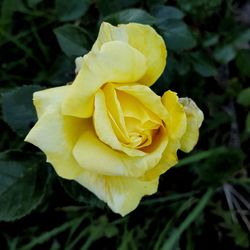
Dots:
(133, 123)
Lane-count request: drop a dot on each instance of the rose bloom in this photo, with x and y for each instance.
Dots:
(108, 130)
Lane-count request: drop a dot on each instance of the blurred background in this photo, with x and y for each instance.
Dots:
(203, 202)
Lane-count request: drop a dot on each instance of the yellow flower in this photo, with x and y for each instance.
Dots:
(108, 130)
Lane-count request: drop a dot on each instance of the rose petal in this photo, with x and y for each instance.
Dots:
(49, 99)
(53, 132)
(97, 157)
(115, 62)
(115, 113)
(104, 130)
(108, 33)
(194, 119)
(152, 46)
(143, 38)
(126, 193)
(147, 97)
(176, 120)
(168, 160)
(121, 194)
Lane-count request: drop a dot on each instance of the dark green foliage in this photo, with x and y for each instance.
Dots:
(22, 184)
(80, 194)
(106, 7)
(243, 61)
(72, 40)
(203, 202)
(244, 97)
(248, 123)
(176, 33)
(220, 166)
(18, 110)
(71, 10)
(130, 15)
(202, 65)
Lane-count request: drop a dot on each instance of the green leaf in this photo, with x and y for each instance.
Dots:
(177, 34)
(201, 8)
(18, 109)
(210, 40)
(244, 97)
(33, 3)
(243, 62)
(242, 39)
(225, 54)
(248, 123)
(22, 185)
(106, 7)
(130, 15)
(163, 13)
(203, 65)
(72, 40)
(71, 10)
(81, 194)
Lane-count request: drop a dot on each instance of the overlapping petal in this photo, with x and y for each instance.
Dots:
(53, 132)
(104, 129)
(121, 194)
(97, 157)
(194, 119)
(115, 113)
(168, 160)
(176, 121)
(115, 62)
(152, 46)
(147, 97)
(126, 193)
(143, 38)
(49, 100)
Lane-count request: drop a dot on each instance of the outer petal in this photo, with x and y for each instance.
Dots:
(97, 157)
(168, 160)
(55, 134)
(176, 121)
(194, 121)
(126, 193)
(122, 194)
(152, 46)
(49, 99)
(143, 38)
(78, 63)
(108, 33)
(115, 62)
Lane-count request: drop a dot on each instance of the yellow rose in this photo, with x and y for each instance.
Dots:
(108, 130)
